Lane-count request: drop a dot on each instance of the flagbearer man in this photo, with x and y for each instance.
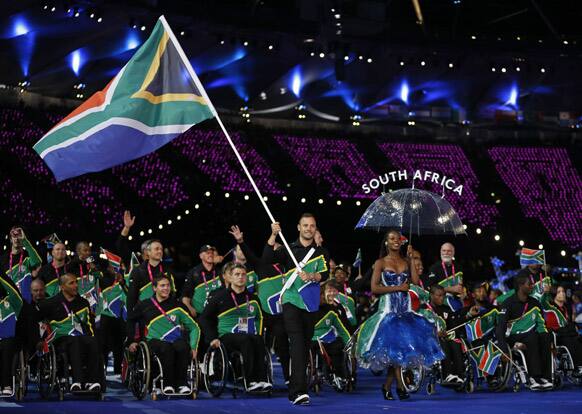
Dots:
(521, 325)
(299, 305)
(21, 261)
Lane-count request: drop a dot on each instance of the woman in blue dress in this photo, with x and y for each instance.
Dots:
(395, 337)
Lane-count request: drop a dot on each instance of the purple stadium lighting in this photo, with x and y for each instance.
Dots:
(451, 161)
(152, 178)
(323, 159)
(19, 208)
(547, 186)
(210, 153)
(98, 200)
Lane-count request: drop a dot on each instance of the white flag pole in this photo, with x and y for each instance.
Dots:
(240, 160)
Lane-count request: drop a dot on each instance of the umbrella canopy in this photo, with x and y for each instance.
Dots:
(412, 211)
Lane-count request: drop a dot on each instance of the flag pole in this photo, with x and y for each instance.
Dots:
(229, 139)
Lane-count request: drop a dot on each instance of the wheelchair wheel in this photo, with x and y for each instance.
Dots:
(19, 372)
(351, 372)
(47, 373)
(430, 388)
(412, 377)
(140, 371)
(193, 376)
(269, 365)
(215, 370)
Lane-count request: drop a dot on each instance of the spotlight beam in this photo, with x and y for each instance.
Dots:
(418, 12)
(545, 19)
(508, 16)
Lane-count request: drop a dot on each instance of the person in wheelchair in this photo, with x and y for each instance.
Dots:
(11, 302)
(165, 320)
(71, 321)
(521, 325)
(330, 334)
(233, 317)
(453, 364)
(559, 321)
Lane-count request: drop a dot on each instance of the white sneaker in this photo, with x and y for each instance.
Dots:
(546, 385)
(7, 391)
(169, 390)
(301, 399)
(534, 385)
(451, 379)
(253, 386)
(184, 389)
(337, 383)
(76, 386)
(266, 386)
(93, 387)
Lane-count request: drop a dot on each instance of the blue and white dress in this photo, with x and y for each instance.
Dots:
(395, 335)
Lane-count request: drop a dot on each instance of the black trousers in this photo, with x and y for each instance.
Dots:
(112, 333)
(538, 353)
(299, 325)
(82, 351)
(175, 359)
(8, 348)
(276, 328)
(252, 349)
(453, 362)
(335, 350)
(572, 342)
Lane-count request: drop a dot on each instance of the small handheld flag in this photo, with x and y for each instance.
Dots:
(358, 260)
(113, 259)
(532, 257)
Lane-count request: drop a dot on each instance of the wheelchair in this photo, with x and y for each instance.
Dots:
(564, 365)
(520, 371)
(220, 367)
(145, 374)
(53, 374)
(19, 376)
(413, 377)
(320, 370)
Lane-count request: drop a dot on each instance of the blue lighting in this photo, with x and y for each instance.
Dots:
(404, 92)
(77, 60)
(25, 49)
(132, 40)
(20, 27)
(296, 82)
(513, 95)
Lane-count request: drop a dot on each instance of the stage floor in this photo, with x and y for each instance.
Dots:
(366, 398)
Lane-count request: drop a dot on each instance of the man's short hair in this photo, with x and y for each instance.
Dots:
(145, 244)
(152, 241)
(306, 215)
(238, 266)
(161, 277)
(521, 280)
(37, 281)
(64, 276)
(436, 288)
(81, 243)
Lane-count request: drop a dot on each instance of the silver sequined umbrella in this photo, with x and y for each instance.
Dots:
(412, 211)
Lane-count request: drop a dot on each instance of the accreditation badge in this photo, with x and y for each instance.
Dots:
(243, 325)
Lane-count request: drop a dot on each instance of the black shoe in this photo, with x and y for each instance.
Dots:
(402, 394)
(387, 393)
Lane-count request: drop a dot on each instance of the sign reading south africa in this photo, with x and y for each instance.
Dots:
(426, 175)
